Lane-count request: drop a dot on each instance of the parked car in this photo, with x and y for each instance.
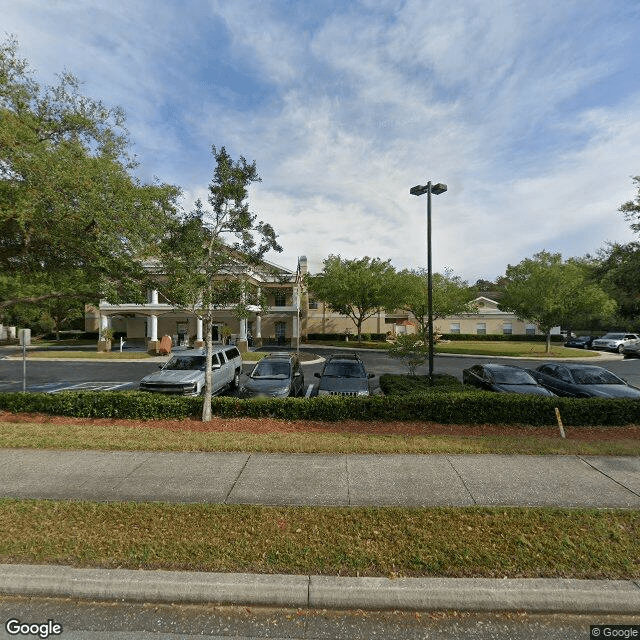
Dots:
(580, 342)
(631, 349)
(583, 381)
(277, 375)
(502, 378)
(613, 341)
(344, 375)
(184, 373)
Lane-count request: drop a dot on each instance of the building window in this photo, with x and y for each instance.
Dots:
(507, 328)
(280, 299)
(481, 328)
(313, 304)
(530, 329)
(455, 327)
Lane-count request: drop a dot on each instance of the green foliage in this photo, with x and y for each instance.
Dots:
(357, 289)
(410, 350)
(396, 385)
(499, 337)
(201, 250)
(451, 295)
(550, 292)
(74, 221)
(441, 405)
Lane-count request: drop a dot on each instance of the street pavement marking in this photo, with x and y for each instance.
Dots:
(93, 386)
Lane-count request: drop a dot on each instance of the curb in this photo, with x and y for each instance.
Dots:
(539, 595)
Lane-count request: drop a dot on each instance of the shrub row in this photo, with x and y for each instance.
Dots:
(499, 337)
(440, 405)
(374, 337)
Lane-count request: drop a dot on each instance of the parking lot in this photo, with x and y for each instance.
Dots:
(53, 376)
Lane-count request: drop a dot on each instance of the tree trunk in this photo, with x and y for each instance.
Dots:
(548, 341)
(206, 403)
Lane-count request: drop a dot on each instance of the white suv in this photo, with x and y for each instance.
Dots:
(614, 341)
(184, 373)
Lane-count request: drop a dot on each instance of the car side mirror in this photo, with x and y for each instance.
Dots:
(317, 375)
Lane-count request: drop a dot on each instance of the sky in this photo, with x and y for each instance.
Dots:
(528, 110)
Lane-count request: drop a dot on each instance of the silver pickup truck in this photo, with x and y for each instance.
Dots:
(184, 373)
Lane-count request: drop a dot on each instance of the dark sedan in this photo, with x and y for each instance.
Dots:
(580, 342)
(583, 381)
(503, 378)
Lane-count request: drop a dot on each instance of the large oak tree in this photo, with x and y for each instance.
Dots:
(75, 222)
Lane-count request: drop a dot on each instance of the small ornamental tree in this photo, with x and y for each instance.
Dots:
(411, 350)
(206, 254)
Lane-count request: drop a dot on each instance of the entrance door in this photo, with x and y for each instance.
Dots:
(281, 331)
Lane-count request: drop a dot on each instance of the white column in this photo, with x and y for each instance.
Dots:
(199, 329)
(154, 296)
(243, 328)
(105, 322)
(258, 326)
(153, 328)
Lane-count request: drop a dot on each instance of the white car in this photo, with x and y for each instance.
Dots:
(614, 341)
(184, 373)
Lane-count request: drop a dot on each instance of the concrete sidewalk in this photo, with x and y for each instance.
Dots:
(339, 480)
(322, 480)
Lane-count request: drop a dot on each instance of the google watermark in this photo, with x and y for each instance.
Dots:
(615, 631)
(15, 627)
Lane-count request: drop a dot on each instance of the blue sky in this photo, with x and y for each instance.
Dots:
(527, 109)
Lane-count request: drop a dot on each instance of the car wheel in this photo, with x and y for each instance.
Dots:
(236, 380)
(620, 348)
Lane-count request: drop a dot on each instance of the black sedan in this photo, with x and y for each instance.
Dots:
(580, 342)
(583, 381)
(503, 378)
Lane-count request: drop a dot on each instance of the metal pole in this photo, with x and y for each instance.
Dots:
(24, 364)
(429, 282)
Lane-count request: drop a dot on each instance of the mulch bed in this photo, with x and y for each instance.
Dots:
(264, 425)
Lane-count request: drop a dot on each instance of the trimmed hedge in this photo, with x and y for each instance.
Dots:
(438, 405)
(499, 337)
(368, 337)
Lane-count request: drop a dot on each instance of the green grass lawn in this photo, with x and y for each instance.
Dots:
(127, 438)
(89, 355)
(394, 542)
(514, 349)
(480, 348)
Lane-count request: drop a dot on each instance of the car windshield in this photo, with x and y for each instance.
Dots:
(272, 370)
(594, 376)
(344, 370)
(613, 336)
(512, 376)
(186, 363)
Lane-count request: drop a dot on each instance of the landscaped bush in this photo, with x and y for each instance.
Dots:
(369, 337)
(393, 384)
(440, 405)
(499, 337)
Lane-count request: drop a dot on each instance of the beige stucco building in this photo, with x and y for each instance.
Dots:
(291, 316)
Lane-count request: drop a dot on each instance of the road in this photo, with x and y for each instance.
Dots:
(58, 375)
(131, 621)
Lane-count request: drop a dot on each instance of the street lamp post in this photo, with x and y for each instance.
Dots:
(419, 190)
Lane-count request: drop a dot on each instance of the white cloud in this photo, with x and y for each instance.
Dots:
(526, 109)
